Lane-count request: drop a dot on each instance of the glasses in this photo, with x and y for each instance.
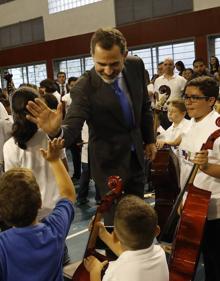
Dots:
(194, 98)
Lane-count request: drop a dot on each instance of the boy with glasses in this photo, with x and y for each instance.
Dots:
(200, 95)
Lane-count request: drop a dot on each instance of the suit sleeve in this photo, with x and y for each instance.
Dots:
(78, 112)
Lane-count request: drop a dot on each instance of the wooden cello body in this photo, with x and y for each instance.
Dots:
(189, 233)
(115, 186)
(186, 246)
(164, 175)
(164, 170)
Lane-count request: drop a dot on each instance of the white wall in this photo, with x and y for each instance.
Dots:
(205, 4)
(68, 23)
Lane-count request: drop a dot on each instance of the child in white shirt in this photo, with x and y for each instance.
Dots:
(135, 227)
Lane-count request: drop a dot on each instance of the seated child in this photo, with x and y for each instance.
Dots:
(31, 250)
(135, 227)
(176, 113)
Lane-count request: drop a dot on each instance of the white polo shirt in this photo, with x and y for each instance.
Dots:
(191, 143)
(148, 264)
(176, 84)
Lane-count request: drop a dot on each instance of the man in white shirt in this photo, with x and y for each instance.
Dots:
(175, 82)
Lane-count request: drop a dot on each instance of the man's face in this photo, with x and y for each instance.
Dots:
(168, 66)
(199, 108)
(61, 78)
(108, 63)
(199, 67)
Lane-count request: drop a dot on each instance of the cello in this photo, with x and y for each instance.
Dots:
(164, 170)
(186, 247)
(115, 186)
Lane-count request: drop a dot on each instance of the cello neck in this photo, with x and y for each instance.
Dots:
(177, 204)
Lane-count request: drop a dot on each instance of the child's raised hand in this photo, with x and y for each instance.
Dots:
(52, 152)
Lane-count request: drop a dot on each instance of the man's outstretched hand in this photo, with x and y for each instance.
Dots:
(44, 117)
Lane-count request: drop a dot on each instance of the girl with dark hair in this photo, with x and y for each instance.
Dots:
(214, 65)
(21, 150)
(180, 67)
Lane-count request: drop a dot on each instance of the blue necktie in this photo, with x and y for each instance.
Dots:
(123, 99)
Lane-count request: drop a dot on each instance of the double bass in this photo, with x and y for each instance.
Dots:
(115, 185)
(189, 233)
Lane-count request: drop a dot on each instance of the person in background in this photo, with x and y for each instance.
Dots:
(33, 250)
(188, 74)
(180, 67)
(176, 83)
(61, 82)
(85, 173)
(67, 98)
(49, 86)
(200, 69)
(213, 65)
(135, 227)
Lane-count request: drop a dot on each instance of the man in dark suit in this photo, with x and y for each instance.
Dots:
(112, 98)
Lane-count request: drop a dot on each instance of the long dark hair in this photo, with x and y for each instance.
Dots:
(23, 130)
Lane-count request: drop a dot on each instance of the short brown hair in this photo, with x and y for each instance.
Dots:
(20, 197)
(179, 104)
(107, 38)
(135, 223)
(207, 85)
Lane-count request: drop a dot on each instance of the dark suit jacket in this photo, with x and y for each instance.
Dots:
(110, 139)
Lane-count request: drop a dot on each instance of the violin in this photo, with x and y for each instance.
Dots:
(115, 186)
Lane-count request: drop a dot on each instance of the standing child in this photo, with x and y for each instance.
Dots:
(200, 96)
(20, 149)
(135, 227)
(31, 250)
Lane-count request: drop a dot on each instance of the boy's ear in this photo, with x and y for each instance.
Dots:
(157, 231)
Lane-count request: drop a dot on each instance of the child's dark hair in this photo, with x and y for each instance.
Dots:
(135, 223)
(22, 129)
(50, 100)
(207, 85)
(20, 197)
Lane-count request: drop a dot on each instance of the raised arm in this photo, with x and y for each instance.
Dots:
(64, 182)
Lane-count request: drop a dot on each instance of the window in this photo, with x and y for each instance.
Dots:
(217, 47)
(179, 51)
(27, 74)
(55, 6)
(74, 67)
